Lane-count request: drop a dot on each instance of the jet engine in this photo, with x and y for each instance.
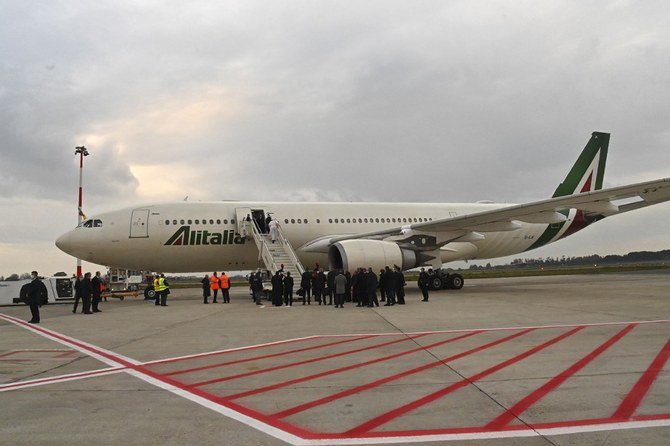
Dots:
(352, 254)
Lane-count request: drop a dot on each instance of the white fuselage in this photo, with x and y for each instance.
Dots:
(136, 237)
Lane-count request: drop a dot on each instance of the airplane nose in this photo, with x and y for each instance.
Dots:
(64, 243)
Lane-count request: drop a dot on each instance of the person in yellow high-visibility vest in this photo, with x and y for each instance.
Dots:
(165, 290)
(157, 300)
(161, 287)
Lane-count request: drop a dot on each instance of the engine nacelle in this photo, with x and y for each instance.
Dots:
(375, 254)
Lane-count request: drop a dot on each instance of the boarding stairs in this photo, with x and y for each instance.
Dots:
(273, 255)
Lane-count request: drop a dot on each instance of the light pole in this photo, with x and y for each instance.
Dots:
(82, 152)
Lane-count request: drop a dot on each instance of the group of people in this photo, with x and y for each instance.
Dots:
(88, 290)
(360, 287)
(282, 288)
(212, 284)
(336, 286)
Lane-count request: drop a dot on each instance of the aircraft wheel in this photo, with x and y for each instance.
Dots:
(149, 293)
(436, 283)
(456, 281)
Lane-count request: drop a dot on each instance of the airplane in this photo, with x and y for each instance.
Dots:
(232, 235)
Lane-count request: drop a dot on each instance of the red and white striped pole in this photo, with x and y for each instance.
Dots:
(82, 152)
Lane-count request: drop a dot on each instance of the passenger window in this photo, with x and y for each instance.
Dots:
(197, 222)
(190, 222)
(181, 222)
(293, 221)
(218, 221)
(300, 221)
(211, 221)
(167, 222)
(232, 221)
(330, 220)
(174, 222)
(225, 221)
(348, 220)
(360, 220)
(317, 220)
(286, 220)
(336, 220)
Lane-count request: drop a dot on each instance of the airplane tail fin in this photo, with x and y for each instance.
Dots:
(588, 172)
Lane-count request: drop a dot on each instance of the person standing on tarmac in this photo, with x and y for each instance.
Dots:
(400, 286)
(96, 290)
(214, 284)
(77, 294)
(205, 289)
(165, 290)
(330, 289)
(306, 285)
(371, 283)
(35, 295)
(340, 284)
(86, 290)
(224, 282)
(423, 284)
(288, 289)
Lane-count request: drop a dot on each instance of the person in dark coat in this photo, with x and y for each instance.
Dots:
(330, 290)
(382, 285)
(391, 285)
(277, 289)
(288, 289)
(96, 290)
(400, 286)
(35, 296)
(77, 294)
(86, 291)
(318, 284)
(423, 284)
(205, 289)
(257, 287)
(347, 291)
(306, 285)
(371, 285)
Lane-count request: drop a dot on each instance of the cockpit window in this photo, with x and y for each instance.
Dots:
(92, 224)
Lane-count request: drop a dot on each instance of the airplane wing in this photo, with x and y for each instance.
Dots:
(600, 203)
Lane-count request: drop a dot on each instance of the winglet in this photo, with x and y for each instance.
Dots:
(588, 172)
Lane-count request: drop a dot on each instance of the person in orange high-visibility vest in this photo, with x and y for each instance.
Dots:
(225, 286)
(214, 284)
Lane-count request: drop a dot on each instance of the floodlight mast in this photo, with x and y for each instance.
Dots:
(82, 152)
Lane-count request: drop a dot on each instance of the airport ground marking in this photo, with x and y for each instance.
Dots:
(271, 355)
(60, 378)
(300, 436)
(529, 400)
(631, 402)
(300, 408)
(395, 413)
(285, 366)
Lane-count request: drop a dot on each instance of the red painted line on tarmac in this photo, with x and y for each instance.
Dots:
(630, 404)
(272, 355)
(327, 399)
(228, 351)
(525, 403)
(395, 413)
(347, 368)
(285, 366)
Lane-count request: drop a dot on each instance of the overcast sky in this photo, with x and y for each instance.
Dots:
(436, 101)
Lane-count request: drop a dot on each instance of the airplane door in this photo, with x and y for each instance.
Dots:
(243, 227)
(139, 223)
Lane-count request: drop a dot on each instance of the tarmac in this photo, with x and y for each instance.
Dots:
(569, 360)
